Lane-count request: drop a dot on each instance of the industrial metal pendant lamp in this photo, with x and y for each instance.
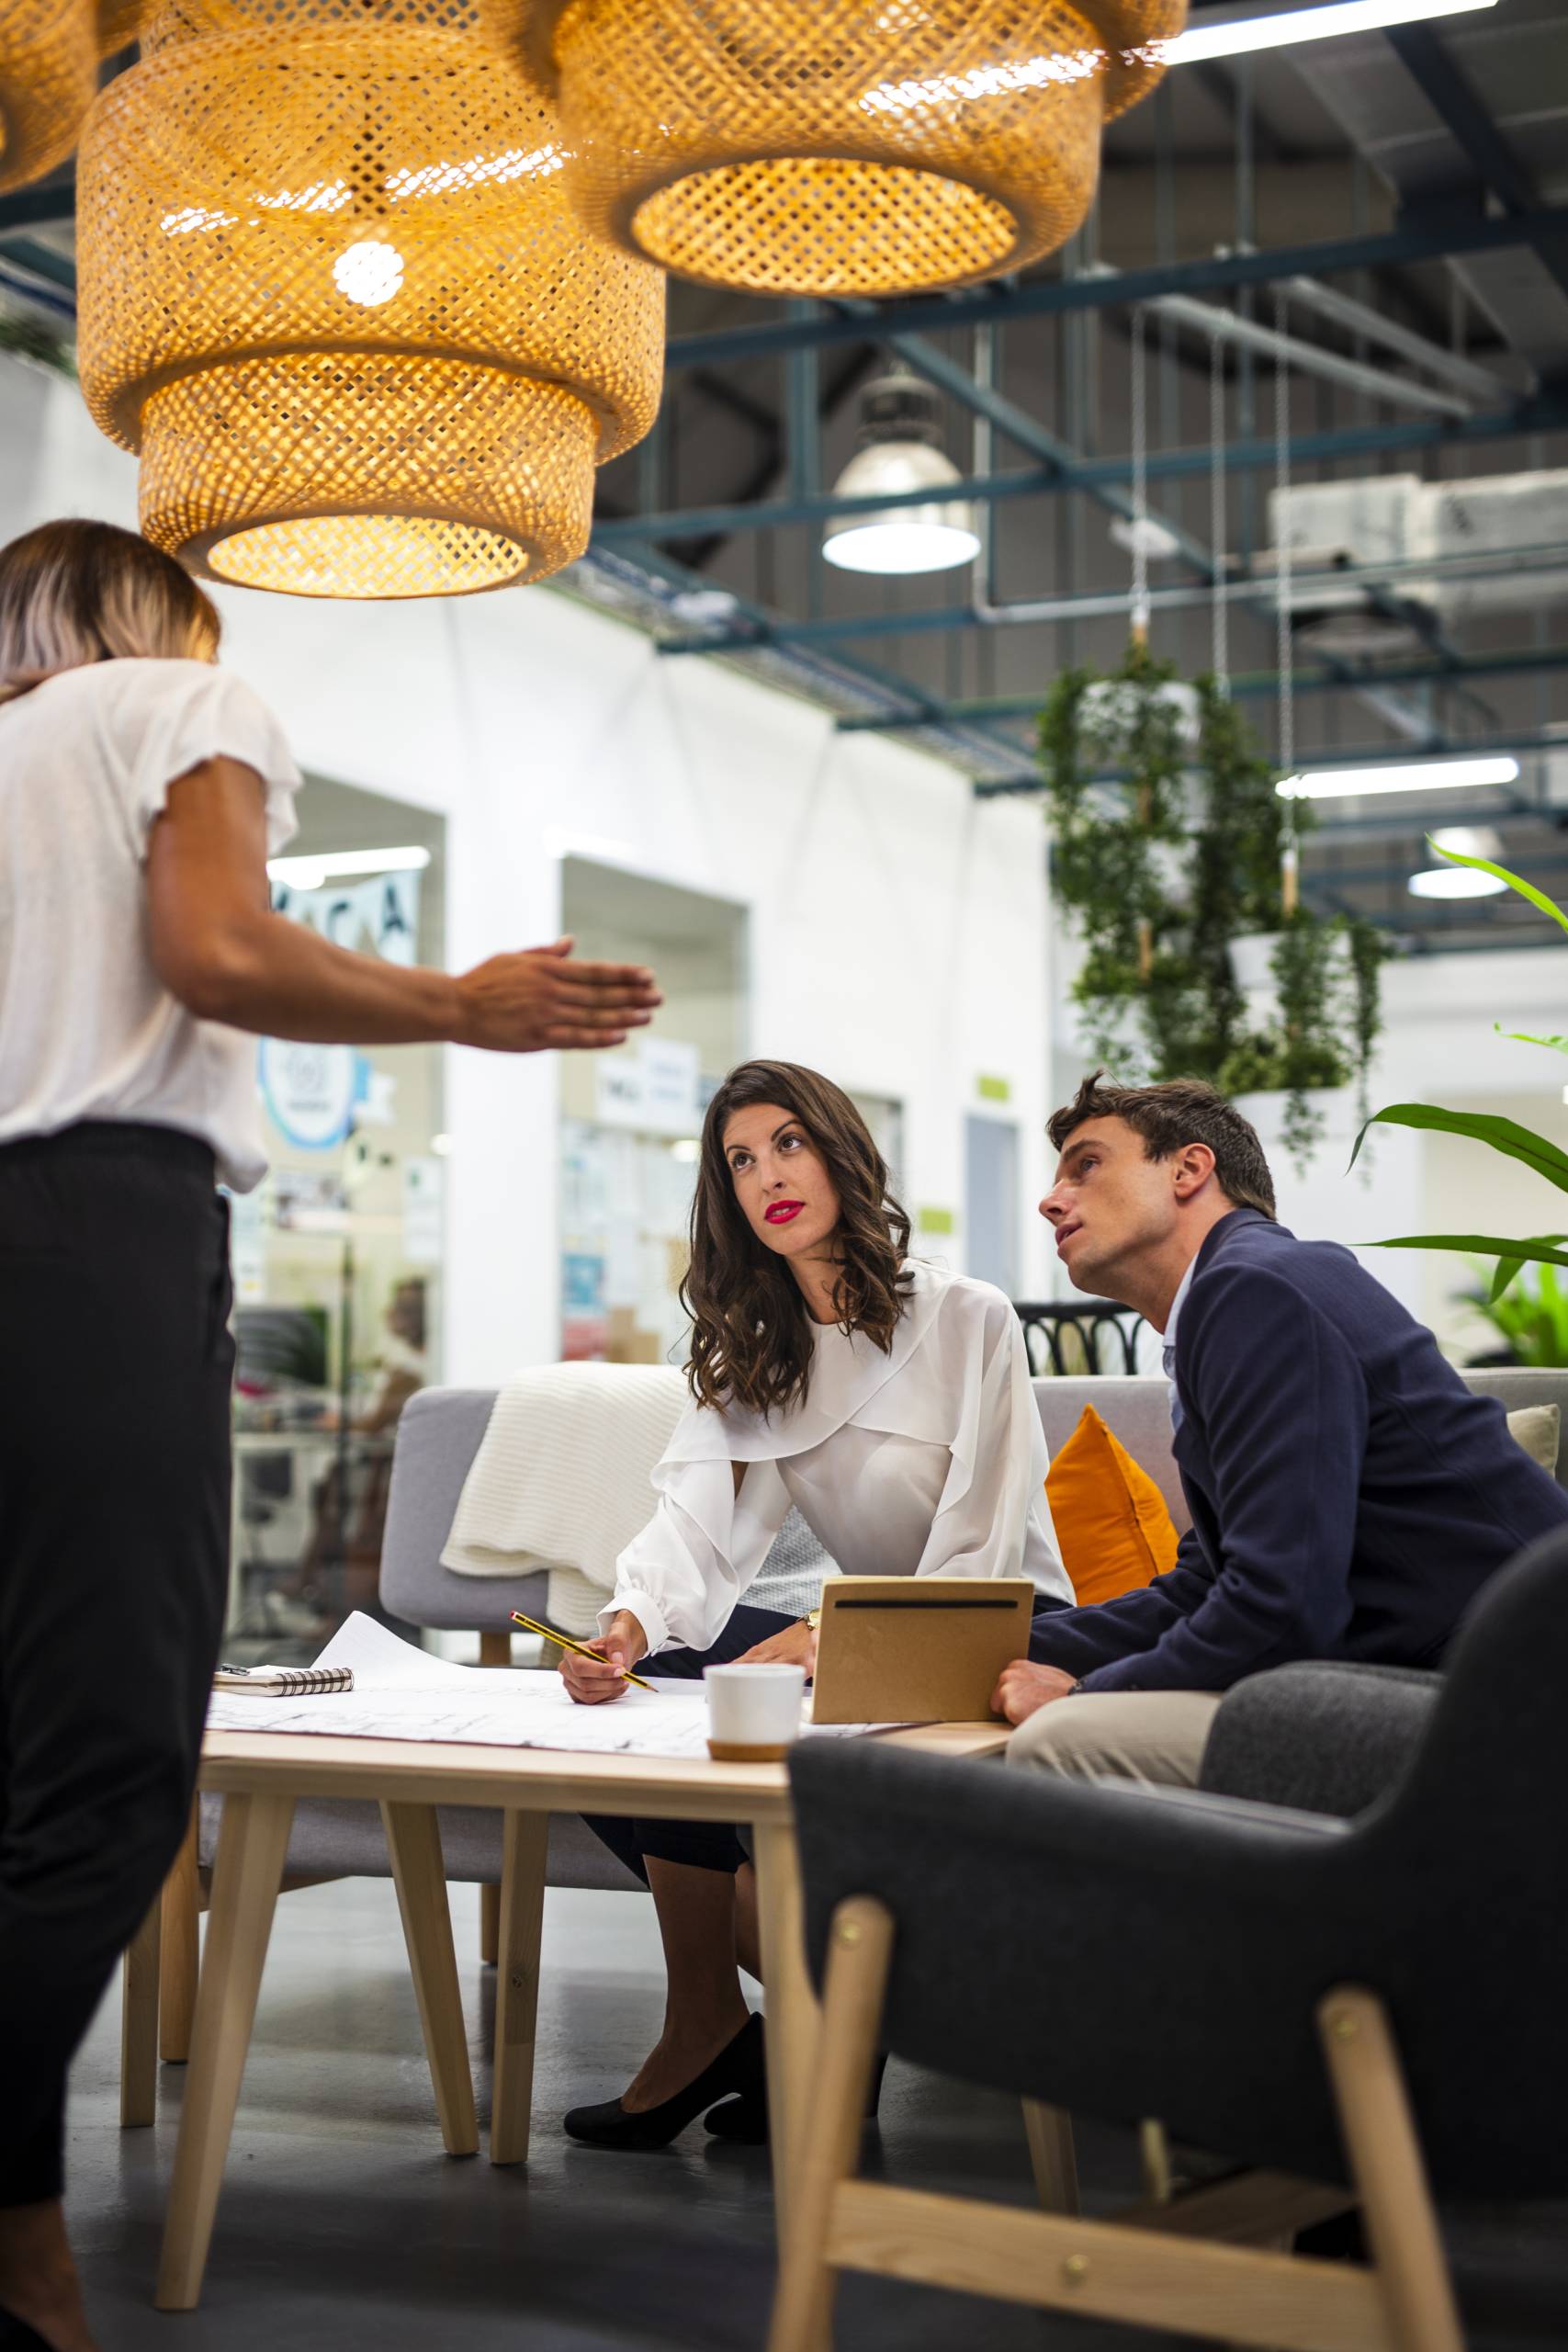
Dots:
(332, 290)
(898, 453)
(48, 75)
(833, 147)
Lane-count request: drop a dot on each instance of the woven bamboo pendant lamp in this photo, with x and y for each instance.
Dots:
(841, 147)
(48, 75)
(332, 289)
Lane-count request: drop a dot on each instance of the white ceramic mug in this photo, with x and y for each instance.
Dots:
(754, 1712)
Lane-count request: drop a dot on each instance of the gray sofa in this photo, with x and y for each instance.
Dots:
(437, 1439)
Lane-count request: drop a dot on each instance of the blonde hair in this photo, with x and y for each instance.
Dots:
(76, 591)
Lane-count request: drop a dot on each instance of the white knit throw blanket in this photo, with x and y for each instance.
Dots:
(563, 1479)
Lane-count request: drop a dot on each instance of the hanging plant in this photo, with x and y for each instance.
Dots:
(1109, 835)
(1164, 872)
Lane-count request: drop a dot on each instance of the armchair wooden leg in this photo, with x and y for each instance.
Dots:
(860, 1952)
(413, 1841)
(138, 2023)
(182, 1950)
(1411, 2270)
(525, 1841)
(1050, 2152)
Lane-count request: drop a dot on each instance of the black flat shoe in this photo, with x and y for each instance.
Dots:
(738, 2068)
(745, 2119)
(15, 2335)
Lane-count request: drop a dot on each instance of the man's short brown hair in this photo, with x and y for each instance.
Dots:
(1178, 1111)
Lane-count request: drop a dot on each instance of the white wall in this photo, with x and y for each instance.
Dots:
(897, 925)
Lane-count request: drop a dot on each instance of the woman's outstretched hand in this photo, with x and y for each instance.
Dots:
(797, 1645)
(590, 1682)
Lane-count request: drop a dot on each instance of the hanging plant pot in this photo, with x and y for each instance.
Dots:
(1252, 960)
(1107, 708)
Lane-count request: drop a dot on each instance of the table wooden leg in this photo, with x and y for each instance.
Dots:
(525, 1838)
(413, 1840)
(251, 1849)
(490, 1927)
(794, 2018)
(138, 2022)
(182, 1950)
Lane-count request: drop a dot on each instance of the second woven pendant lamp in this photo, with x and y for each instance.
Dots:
(48, 74)
(332, 290)
(841, 147)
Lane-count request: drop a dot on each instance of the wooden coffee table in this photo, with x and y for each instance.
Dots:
(261, 1774)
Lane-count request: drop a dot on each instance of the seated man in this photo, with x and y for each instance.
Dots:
(1349, 1495)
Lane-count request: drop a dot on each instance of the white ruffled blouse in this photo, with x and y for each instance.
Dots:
(927, 1461)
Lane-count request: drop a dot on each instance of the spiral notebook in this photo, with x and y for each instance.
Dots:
(283, 1681)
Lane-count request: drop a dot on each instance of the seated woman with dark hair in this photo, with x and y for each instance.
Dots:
(890, 1402)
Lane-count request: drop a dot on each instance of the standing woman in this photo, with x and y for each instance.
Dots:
(141, 791)
(890, 1402)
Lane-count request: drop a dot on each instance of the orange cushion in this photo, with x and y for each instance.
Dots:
(1111, 1519)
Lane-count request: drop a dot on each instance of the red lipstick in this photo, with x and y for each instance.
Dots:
(783, 1212)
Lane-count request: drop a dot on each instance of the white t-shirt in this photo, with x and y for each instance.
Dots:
(88, 1029)
(927, 1461)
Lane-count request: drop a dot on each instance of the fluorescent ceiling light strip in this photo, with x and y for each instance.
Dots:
(309, 873)
(1427, 775)
(1246, 33)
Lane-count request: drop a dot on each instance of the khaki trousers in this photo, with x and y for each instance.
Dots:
(1156, 1737)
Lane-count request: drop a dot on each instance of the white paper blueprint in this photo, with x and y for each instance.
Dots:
(402, 1692)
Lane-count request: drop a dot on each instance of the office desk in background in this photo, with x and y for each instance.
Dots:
(260, 1774)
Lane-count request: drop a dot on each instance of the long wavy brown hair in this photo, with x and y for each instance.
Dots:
(752, 1336)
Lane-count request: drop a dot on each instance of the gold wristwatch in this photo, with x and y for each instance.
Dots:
(813, 1618)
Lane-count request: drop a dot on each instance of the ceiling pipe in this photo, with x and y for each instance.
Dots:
(1360, 319)
(1105, 603)
(1311, 358)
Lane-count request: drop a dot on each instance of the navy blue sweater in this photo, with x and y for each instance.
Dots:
(1349, 1495)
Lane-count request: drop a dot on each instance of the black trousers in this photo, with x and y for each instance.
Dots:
(114, 1366)
(707, 1845)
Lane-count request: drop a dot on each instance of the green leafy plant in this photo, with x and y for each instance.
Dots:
(1161, 890)
(24, 337)
(1505, 1136)
(1531, 1318)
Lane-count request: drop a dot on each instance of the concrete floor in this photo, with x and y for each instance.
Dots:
(342, 2224)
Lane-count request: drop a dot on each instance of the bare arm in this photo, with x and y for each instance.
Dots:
(221, 950)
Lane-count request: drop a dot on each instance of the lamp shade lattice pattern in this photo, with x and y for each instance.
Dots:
(48, 74)
(829, 147)
(333, 290)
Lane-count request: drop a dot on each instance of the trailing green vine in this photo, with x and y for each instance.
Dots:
(1164, 872)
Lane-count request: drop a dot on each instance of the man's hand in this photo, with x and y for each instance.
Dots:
(591, 1683)
(797, 1645)
(1024, 1688)
(520, 1004)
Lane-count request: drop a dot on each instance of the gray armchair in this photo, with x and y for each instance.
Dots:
(1368, 2012)
(1321, 1738)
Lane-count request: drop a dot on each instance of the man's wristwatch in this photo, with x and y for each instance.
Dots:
(813, 1618)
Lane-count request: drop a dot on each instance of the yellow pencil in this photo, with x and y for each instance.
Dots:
(565, 1642)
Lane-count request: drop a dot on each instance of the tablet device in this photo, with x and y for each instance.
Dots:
(917, 1649)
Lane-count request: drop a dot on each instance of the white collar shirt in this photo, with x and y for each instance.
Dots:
(1168, 1352)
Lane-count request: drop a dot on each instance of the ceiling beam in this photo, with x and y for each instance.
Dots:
(1259, 684)
(1549, 414)
(1453, 97)
(1408, 241)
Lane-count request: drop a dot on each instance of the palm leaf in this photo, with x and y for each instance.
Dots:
(1504, 1135)
(1478, 1245)
(1508, 1267)
(1515, 881)
(1519, 1037)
